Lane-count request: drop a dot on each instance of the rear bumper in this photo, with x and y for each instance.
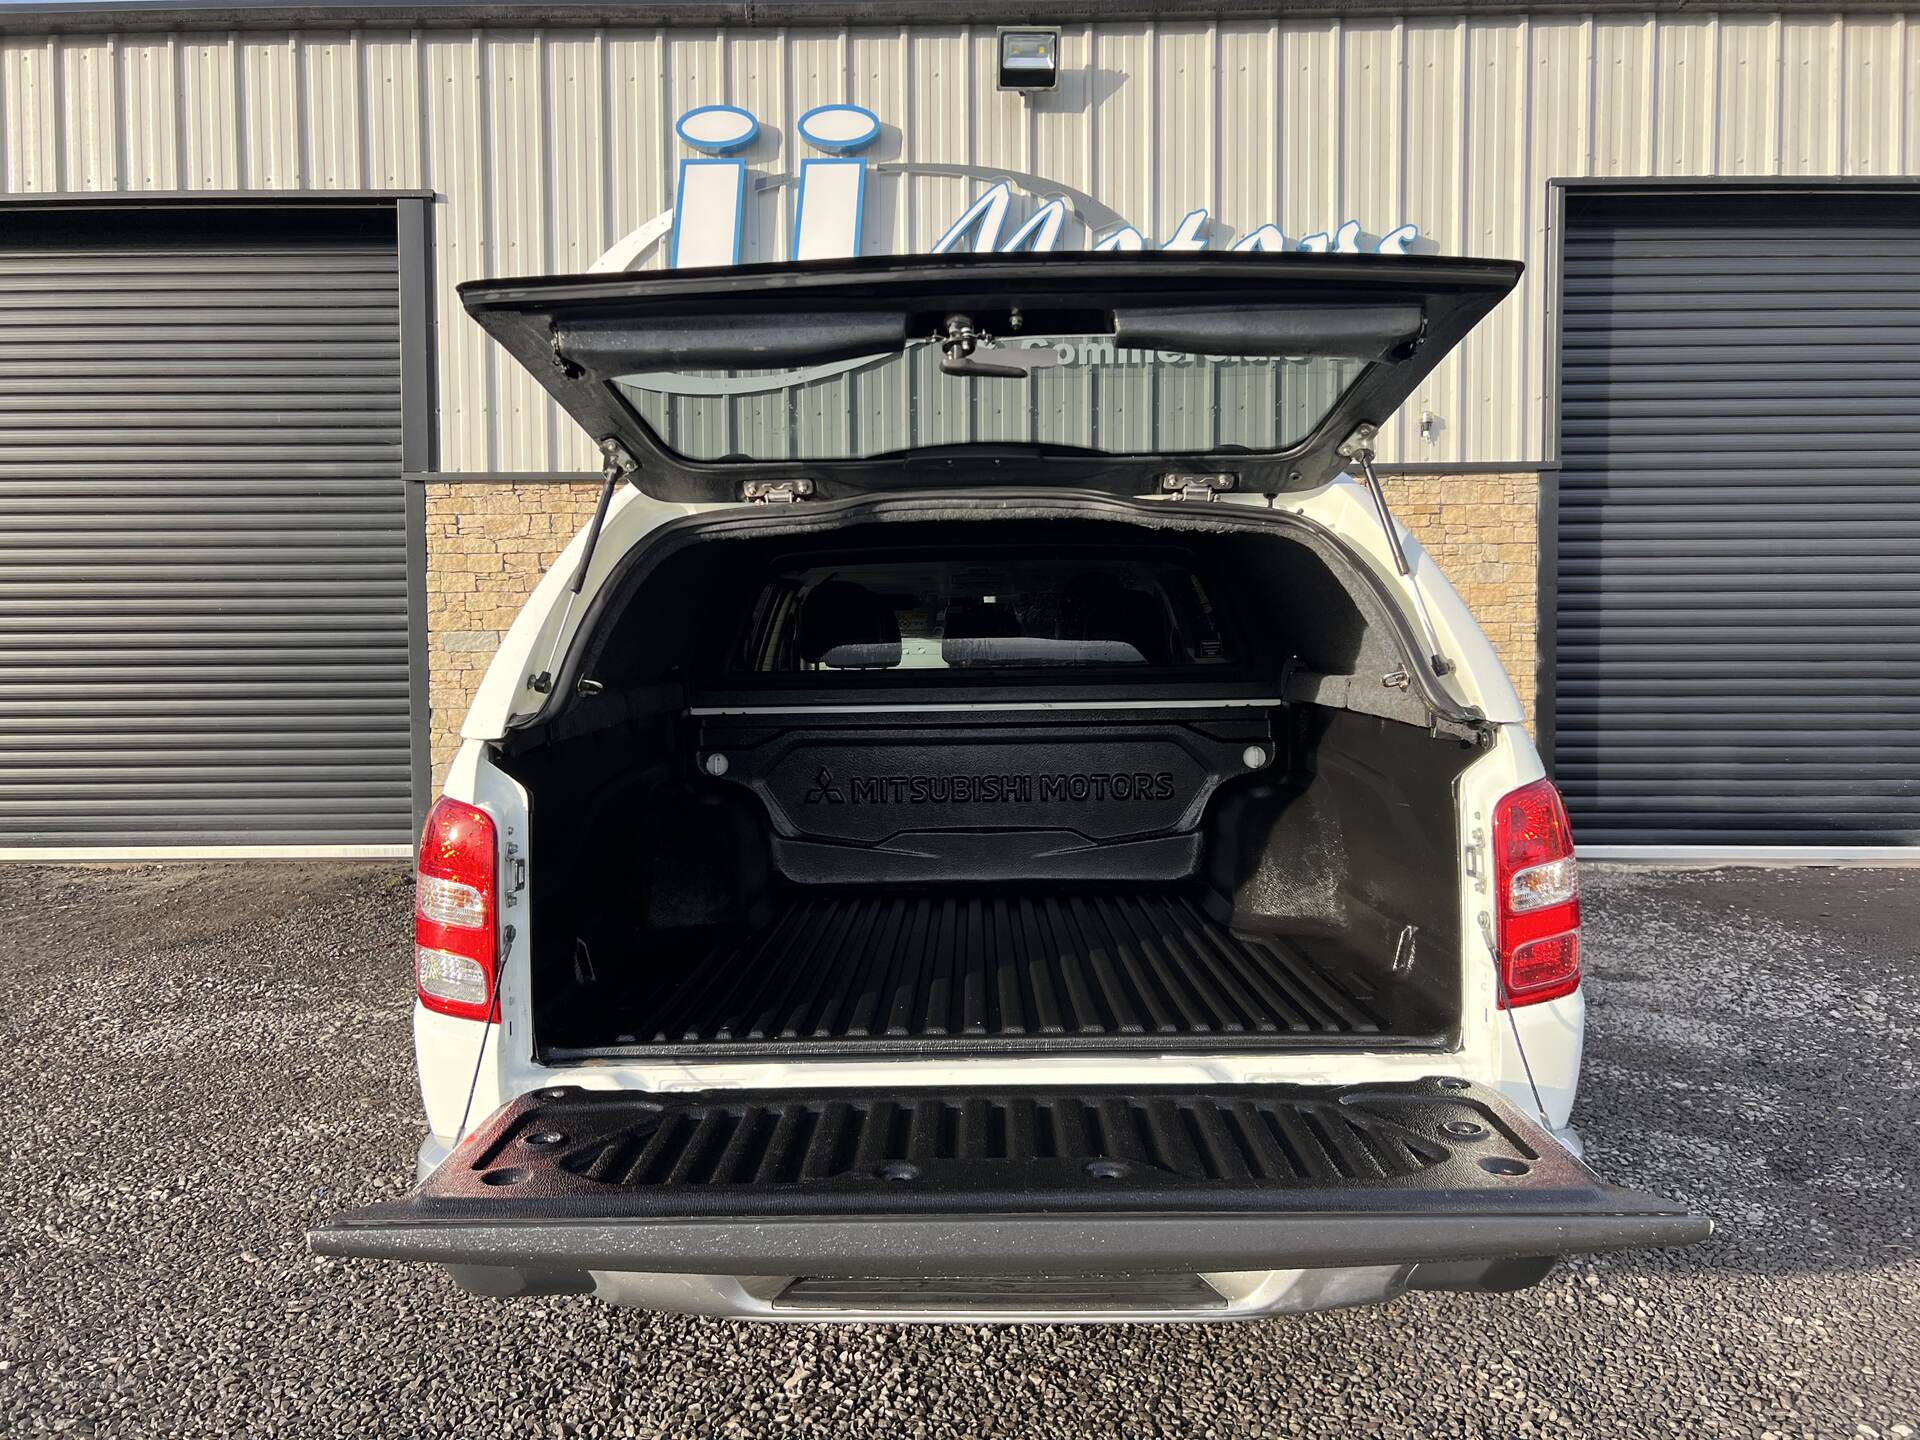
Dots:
(1190, 1298)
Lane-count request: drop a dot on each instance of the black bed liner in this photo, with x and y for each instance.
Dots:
(1052, 969)
(858, 1182)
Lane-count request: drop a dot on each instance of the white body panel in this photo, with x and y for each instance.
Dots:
(1531, 1054)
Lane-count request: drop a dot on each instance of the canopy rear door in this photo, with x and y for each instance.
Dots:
(1097, 371)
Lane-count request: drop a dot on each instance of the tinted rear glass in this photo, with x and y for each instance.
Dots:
(1097, 397)
(1000, 612)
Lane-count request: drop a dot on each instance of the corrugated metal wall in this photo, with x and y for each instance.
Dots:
(547, 145)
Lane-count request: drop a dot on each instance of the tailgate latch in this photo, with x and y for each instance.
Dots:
(776, 492)
(1473, 857)
(1177, 486)
(516, 874)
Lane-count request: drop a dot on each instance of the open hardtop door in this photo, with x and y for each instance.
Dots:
(1128, 373)
(835, 1182)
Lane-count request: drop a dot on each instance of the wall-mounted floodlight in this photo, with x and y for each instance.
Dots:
(1029, 59)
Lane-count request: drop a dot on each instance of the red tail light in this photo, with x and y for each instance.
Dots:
(455, 912)
(1538, 894)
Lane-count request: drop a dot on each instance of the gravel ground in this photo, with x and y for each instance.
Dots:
(201, 1062)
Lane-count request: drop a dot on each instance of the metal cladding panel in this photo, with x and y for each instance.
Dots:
(545, 146)
(1738, 658)
(203, 581)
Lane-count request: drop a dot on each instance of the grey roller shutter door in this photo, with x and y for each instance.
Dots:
(1737, 649)
(203, 573)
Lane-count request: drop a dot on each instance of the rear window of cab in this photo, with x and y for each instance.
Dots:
(926, 613)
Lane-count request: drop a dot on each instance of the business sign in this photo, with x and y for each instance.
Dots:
(1014, 211)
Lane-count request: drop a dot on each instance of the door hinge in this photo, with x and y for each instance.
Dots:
(776, 492)
(1177, 486)
(616, 461)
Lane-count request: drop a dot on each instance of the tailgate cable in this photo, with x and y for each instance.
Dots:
(1500, 990)
(493, 1023)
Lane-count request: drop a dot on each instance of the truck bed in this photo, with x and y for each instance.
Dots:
(906, 972)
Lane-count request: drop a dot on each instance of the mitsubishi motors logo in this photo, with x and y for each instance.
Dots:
(824, 790)
(1099, 787)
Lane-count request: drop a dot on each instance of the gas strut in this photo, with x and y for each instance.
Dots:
(1358, 447)
(618, 464)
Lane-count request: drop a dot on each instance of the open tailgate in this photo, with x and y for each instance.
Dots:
(902, 1183)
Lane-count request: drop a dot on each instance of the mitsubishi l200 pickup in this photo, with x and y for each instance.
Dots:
(995, 820)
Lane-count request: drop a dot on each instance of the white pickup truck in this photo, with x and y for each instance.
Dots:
(995, 820)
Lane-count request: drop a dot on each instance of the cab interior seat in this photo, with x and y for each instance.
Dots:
(845, 626)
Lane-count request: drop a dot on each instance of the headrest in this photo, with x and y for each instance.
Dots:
(973, 632)
(1096, 606)
(848, 627)
(971, 620)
